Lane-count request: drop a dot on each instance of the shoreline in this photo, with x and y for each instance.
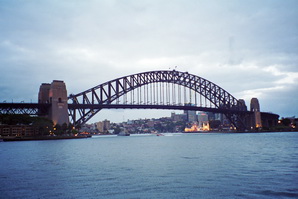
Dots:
(33, 138)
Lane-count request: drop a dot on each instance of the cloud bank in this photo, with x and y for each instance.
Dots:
(249, 48)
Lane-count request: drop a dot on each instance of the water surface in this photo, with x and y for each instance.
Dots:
(210, 165)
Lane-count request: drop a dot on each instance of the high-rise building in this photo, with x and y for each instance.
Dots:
(191, 115)
(106, 125)
(202, 117)
(203, 121)
(178, 117)
(103, 126)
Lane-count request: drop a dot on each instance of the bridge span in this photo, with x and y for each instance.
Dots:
(167, 89)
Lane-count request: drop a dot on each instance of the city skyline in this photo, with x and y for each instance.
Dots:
(247, 48)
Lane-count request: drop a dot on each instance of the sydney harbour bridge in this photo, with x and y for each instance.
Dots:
(166, 89)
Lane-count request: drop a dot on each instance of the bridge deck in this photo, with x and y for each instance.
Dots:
(151, 106)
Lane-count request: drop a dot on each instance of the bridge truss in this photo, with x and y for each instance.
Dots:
(24, 108)
(157, 90)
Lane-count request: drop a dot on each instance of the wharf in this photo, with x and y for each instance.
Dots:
(9, 139)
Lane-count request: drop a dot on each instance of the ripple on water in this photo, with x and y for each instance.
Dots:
(185, 166)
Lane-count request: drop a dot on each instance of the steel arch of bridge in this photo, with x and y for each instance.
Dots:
(86, 104)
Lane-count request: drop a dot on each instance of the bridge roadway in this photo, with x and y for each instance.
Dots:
(152, 106)
(42, 109)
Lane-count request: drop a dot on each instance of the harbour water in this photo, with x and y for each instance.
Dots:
(210, 165)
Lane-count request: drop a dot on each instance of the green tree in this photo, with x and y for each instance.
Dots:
(117, 130)
(170, 127)
(64, 128)
(14, 119)
(58, 129)
(44, 125)
(70, 128)
(214, 124)
(286, 121)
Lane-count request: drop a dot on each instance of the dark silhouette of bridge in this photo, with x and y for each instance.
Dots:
(167, 89)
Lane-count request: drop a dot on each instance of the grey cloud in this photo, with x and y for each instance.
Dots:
(87, 43)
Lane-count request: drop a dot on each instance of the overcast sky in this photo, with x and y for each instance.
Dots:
(247, 47)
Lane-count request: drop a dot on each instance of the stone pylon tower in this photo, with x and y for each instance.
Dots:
(43, 95)
(255, 107)
(56, 95)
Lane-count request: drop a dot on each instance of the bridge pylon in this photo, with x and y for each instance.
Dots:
(255, 108)
(55, 94)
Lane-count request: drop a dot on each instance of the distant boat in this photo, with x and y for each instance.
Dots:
(123, 134)
(156, 133)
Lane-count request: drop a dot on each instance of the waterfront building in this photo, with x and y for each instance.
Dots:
(99, 126)
(203, 121)
(18, 130)
(90, 128)
(211, 116)
(191, 115)
(202, 117)
(178, 117)
(103, 126)
(106, 125)
(150, 123)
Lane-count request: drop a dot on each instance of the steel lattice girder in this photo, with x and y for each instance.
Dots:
(24, 108)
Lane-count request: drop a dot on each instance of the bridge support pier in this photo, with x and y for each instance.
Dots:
(56, 95)
(255, 108)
